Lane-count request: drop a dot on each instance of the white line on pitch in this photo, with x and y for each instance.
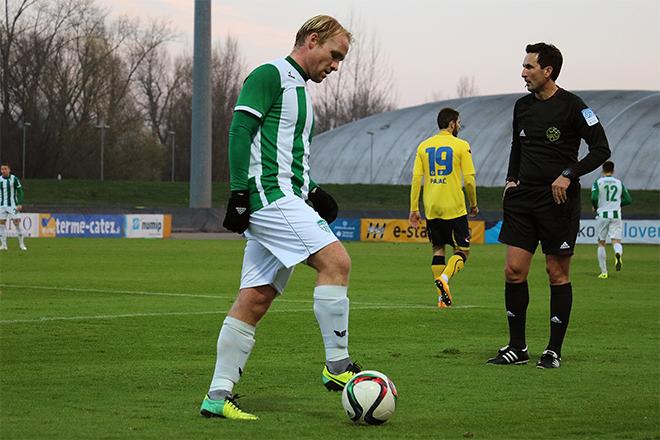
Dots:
(135, 292)
(184, 295)
(128, 292)
(209, 312)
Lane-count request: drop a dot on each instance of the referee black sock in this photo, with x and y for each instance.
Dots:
(561, 300)
(516, 298)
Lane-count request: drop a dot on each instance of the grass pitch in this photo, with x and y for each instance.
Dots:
(114, 339)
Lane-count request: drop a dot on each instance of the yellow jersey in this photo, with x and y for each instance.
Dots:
(442, 161)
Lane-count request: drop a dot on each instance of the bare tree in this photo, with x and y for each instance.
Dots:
(363, 86)
(228, 73)
(227, 76)
(10, 29)
(181, 115)
(157, 82)
(438, 95)
(66, 68)
(466, 87)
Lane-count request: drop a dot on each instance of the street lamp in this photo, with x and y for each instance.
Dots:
(371, 157)
(171, 134)
(25, 124)
(103, 127)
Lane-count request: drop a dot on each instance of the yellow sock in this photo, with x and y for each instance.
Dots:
(454, 266)
(438, 265)
(437, 270)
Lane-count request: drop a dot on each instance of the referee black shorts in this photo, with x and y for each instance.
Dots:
(532, 216)
(454, 232)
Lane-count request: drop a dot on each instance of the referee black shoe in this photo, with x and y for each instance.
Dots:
(549, 359)
(510, 356)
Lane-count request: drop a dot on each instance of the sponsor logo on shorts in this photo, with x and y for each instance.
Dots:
(324, 225)
(564, 245)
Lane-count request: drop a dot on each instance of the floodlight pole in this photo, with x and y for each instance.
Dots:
(200, 142)
(25, 125)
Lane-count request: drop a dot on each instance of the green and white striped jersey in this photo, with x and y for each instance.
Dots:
(277, 95)
(608, 194)
(11, 192)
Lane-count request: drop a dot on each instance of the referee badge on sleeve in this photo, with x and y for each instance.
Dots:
(590, 116)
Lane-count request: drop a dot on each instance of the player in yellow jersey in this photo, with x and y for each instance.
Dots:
(444, 163)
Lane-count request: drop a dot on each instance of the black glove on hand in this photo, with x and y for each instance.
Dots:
(237, 217)
(324, 204)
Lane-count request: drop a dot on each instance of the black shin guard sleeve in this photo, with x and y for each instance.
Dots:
(516, 298)
(561, 301)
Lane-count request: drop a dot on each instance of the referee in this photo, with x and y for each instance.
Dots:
(541, 200)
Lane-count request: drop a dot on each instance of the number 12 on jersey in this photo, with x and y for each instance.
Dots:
(441, 160)
(611, 190)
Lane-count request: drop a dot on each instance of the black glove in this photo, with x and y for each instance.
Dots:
(237, 218)
(324, 204)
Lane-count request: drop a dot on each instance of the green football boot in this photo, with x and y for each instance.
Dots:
(227, 408)
(337, 382)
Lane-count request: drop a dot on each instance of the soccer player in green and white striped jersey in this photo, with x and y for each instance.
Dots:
(11, 201)
(270, 181)
(608, 195)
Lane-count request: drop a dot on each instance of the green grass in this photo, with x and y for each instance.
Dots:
(115, 339)
(92, 193)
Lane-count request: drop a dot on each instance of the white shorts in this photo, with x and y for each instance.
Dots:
(9, 213)
(609, 227)
(280, 236)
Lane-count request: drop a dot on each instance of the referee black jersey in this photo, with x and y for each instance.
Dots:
(546, 138)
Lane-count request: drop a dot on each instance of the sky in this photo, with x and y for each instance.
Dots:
(429, 44)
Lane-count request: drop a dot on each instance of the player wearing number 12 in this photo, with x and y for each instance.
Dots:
(444, 162)
(608, 195)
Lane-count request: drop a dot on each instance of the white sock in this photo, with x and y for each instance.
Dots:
(3, 235)
(235, 344)
(19, 234)
(618, 248)
(331, 310)
(602, 259)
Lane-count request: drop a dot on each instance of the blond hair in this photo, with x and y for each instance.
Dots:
(325, 26)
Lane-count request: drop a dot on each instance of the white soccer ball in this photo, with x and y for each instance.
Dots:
(369, 398)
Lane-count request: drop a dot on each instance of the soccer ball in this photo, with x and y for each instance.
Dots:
(369, 398)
